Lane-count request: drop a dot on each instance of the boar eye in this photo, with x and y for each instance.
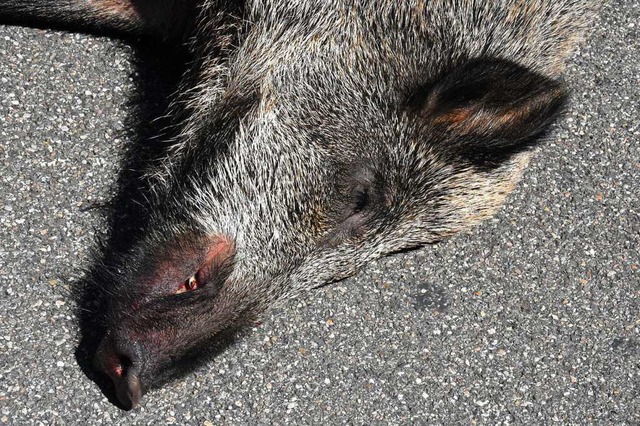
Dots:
(362, 199)
(188, 285)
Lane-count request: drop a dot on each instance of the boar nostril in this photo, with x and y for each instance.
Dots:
(122, 366)
(122, 363)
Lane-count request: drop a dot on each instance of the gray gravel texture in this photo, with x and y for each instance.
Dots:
(533, 318)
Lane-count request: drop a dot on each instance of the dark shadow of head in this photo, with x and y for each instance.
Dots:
(157, 73)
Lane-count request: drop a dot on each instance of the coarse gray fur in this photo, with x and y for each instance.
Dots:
(326, 74)
(322, 87)
(312, 136)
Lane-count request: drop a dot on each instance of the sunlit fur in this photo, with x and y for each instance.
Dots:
(326, 80)
(286, 99)
(311, 133)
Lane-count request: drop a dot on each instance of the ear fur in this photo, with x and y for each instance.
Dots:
(490, 105)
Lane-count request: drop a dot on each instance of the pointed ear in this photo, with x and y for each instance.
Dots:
(489, 105)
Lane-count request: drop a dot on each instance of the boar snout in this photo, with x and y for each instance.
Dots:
(122, 362)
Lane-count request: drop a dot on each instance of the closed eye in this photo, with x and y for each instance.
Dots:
(362, 200)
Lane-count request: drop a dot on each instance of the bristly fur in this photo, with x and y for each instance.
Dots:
(311, 137)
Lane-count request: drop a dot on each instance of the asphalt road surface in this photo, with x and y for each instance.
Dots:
(533, 318)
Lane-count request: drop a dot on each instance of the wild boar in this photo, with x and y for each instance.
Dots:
(311, 137)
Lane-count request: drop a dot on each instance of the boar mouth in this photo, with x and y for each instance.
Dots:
(122, 365)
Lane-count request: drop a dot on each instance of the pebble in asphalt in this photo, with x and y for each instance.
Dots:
(532, 318)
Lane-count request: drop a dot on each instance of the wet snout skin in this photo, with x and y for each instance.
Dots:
(122, 363)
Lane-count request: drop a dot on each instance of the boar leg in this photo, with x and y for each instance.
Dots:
(169, 20)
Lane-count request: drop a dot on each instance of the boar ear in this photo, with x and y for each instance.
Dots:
(490, 105)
